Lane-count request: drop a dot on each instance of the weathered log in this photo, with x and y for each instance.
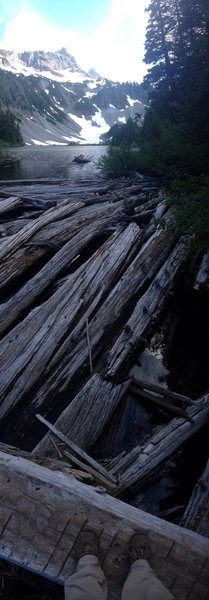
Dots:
(15, 259)
(146, 313)
(25, 296)
(73, 353)
(202, 277)
(159, 448)
(9, 204)
(86, 416)
(42, 512)
(54, 228)
(196, 515)
(33, 345)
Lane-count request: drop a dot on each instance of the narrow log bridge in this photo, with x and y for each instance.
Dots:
(83, 283)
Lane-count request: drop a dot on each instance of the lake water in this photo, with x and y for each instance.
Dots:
(36, 162)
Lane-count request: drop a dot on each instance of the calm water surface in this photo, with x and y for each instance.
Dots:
(35, 162)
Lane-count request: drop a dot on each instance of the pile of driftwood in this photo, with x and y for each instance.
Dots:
(83, 284)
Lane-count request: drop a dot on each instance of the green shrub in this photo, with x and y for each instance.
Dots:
(121, 161)
(189, 200)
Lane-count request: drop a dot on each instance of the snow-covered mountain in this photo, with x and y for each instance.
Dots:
(56, 102)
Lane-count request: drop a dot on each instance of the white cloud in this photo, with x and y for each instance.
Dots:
(115, 49)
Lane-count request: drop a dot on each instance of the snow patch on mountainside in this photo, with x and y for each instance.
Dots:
(91, 130)
(132, 101)
(57, 102)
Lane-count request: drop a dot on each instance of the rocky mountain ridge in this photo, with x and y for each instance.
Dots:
(56, 102)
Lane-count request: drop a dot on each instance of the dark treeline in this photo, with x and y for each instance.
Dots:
(9, 129)
(176, 125)
(174, 137)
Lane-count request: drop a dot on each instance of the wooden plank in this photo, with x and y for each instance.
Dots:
(98, 469)
(96, 474)
(48, 509)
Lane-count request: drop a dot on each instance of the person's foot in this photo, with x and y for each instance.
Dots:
(87, 543)
(139, 548)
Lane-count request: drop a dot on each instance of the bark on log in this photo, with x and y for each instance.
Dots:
(84, 420)
(197, 511)
(159, 448)
(33, 345)
(146, 313)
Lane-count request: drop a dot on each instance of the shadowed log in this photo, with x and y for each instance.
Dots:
(84, 420)
(143, 461)
(146, 313)
(197, 511)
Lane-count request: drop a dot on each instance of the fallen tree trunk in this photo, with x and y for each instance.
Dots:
(142, 461)
(72, 359)
(15, 258)
(26, 352)
(9, 204)
(86, 416)
(42, 513)
(53, 229)
(12, 309)
(145, 314)
(197, 511)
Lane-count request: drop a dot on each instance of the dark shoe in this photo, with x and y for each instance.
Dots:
(139, 547)
(87, 543)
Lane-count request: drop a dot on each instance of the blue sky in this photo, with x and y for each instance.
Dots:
(105, 34)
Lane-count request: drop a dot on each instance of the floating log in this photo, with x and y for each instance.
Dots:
(33, 346)
(87, 415)
(146, 313)
(159, 448)
(196, 514)
(42, 512)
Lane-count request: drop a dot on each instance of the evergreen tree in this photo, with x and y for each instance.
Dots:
(9, 129)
